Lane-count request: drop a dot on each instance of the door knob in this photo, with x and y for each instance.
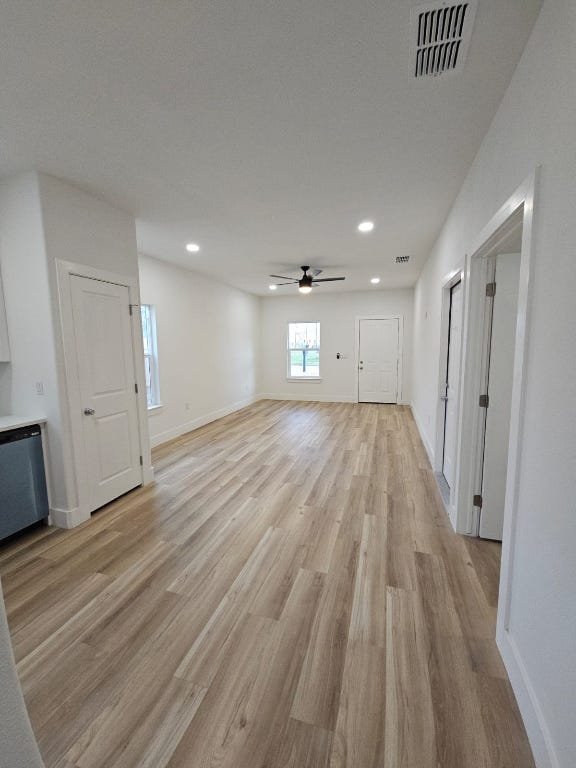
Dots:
(89, 411)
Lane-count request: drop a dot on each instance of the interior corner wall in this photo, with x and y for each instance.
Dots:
(84, 229)
(337, 313)
(207, 335)
(42, 220)
(533, 126)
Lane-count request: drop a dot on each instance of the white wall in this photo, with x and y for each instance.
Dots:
(534, 125)
(85, 229)
(337, 313)
(29, 317)
(207, 347)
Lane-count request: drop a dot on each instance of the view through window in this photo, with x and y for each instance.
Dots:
(150, 354)
(304, 350)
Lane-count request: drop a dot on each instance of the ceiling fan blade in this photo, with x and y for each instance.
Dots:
(283, 277)
(316, 272)
(328, 279)
(290, 283)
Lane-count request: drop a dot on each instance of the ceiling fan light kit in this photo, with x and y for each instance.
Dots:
(306, 282)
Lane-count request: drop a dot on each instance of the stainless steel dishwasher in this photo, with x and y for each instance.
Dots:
(23, 494)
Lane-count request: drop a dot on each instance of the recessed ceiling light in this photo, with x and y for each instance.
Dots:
(272, 287)
(192, 248)
(366, 226)
(375, 280)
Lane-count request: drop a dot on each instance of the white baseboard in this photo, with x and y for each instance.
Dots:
(530, 709)
(67, 518)
(307, 398)
(147, 474)
(423, 436)
(188, 426)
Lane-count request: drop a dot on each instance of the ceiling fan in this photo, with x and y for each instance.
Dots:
(306, 282)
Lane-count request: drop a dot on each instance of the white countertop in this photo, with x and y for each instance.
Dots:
(14, 422)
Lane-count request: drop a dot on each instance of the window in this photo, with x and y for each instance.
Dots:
(150, 355)
(303, 350)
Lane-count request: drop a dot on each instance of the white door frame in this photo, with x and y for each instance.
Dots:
(518, 209)
(448, 282)
(64, 271)
(522, 204)
(400, 319)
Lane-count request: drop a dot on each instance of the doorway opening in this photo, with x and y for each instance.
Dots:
(447, 417)
(452, 384)
(496, 327)
(500, 316)
(489, 362)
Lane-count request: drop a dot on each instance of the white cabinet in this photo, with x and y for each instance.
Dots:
(4, 345)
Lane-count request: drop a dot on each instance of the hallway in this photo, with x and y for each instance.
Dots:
(288, 593)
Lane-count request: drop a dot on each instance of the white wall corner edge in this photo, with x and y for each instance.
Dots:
(189, 426)
(423, 437)
(528, 704)
(67, 518)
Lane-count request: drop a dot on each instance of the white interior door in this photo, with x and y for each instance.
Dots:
(501, 370)
(107, 379)
(452, 384)
(378, 361)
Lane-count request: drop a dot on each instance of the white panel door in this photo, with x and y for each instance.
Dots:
(500, 377)
(106, 375)
(378, 361)
(452, 384)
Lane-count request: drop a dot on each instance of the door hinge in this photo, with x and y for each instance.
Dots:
(483, 401)
(490, 289)
(477, 500)
(141, 461)
(136, 387)
(131, 307)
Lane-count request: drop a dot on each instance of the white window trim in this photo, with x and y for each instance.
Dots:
(291, 349)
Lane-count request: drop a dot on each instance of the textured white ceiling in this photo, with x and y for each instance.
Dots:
(264, 130)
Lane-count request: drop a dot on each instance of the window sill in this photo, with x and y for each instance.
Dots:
(152, 409)
(303, 378)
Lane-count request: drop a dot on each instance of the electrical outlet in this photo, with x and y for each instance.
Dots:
(39, 388)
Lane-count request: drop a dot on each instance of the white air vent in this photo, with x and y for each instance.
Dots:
(440, 35)
(402, 259)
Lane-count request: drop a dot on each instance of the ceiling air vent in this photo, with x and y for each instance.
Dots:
(440, 35)
(402, 259)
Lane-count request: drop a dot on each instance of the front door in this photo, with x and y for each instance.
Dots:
(378, 361)
(452, 384)
(105, 357)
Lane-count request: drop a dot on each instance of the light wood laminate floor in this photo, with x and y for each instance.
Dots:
(289, 593)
